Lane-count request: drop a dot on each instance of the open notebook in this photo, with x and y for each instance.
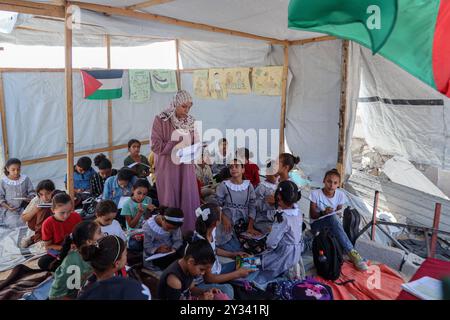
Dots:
(425, 288)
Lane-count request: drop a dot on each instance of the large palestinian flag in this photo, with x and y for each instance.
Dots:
(414, 34)
(102, 84)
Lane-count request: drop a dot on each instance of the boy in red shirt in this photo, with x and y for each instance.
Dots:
(57, 227)
(251, 170)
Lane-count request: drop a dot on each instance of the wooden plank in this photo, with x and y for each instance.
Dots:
(284, 97)
(3, 119)
(110, 113)
(311, 40)
(147, 4)
(69, 102)
(343, 110)
(172, 21)
(78, 154)
(177, 57)
(28, 7)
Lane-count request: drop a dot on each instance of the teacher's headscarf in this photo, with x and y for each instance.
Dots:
(179, 99)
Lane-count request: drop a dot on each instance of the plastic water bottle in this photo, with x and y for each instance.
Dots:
(322, 257)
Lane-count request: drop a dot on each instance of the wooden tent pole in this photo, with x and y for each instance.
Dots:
(343, 110)
(78, 154)
(177, 54)
(110, 113)
(284, 97)
(69, 100)
(3, 119)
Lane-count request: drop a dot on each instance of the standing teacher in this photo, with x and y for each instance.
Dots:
(176, 184)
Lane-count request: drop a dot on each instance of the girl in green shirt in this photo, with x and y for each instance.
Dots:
(71, 270)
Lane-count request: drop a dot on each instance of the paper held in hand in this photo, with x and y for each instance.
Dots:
(158, 255)
(190, 153)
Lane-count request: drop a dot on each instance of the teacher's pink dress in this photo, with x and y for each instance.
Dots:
(176, 183)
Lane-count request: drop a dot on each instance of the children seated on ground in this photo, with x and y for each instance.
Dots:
(118, 186)
(162, 234)
(251, 170)
(34, 215)
(237, 199)
(105, 171)
(221, 158)
(107, 257)
(82, 175)
(106, 212)
(265, 192)
(57, 227)
(286, 162)
(142, 166)
(204, 175)
(325, 204)
(208, 216)
(138, 205)
(70, 263)
(16, 191)
(177, 281)
(283, 244)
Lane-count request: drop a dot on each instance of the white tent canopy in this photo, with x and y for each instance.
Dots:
(313, 95)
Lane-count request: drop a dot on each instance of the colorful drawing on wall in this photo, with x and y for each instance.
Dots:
(200, 80)
(139, 85)
(237, 80)
(267, 80)
(164, 81)
(217, 84)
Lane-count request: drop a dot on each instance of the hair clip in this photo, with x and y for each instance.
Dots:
(203, 213)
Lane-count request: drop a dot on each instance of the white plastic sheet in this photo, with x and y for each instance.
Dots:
(417, 132)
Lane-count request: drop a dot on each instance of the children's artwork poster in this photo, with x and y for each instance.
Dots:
(237, 80)
(267, 80)
(201, 87)
(139, 85)
(217, 84)
(164, 81)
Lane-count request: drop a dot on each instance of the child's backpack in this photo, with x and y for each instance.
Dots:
(250, 245)
(351, 222)
(327, 255)
(88, 208)
(308, 289)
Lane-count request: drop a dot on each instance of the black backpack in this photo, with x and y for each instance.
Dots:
(328, 265)
(351, 222)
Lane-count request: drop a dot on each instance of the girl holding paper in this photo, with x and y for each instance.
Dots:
(175, 181)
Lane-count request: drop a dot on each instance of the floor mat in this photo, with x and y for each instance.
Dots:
(378, 283)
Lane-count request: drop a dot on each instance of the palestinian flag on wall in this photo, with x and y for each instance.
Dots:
(102, 84)
(414, 34)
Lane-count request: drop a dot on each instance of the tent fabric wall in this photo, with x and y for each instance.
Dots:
(313, 106)
(352, 96)
(418, 132)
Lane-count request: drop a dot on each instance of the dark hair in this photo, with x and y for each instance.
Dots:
(174, 213)
(133, 141)
(289, 193)
(82, 232)
(9, 163)
(125, 174)
(289, 160)
(102, 162)
(45, 185)
(332, 172)
(105, 207)
(202, 226)
(141, 183)
(222, 140)
(201, 251)
(60, 199)
(236, 161)
(103, 255)
(84, 163)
